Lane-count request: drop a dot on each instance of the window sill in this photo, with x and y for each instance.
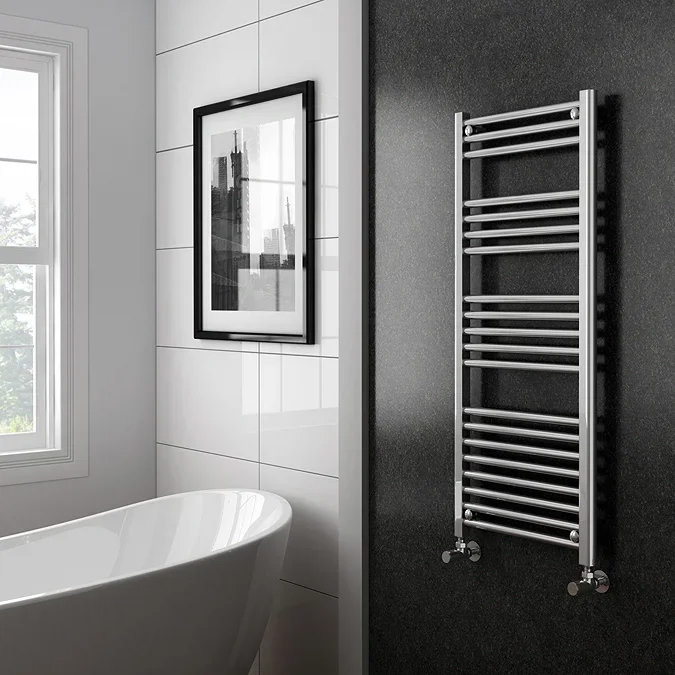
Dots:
(36, 466)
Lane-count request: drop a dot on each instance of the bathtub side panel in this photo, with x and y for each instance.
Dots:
(203, 618)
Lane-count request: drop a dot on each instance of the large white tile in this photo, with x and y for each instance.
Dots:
(302, 635)
(208, 400)
(216, 69)
(180, 470)
(175, 302)
(312, 553)
(326, 342)
(299, 412)
(327, 178)
(302, 45)
(174, 198)
(179, 22)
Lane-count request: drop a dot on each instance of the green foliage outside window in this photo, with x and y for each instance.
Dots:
(17, 227)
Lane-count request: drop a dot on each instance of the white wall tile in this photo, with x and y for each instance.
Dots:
(181, 470)
(302, 635)
(327, 179)
(175, 301)
(174, 198)
(208, 400)
(214, 70)
(302, 45)
(312, 553)
(299, 412)
(180, 22)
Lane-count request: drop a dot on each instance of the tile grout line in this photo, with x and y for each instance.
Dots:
(309, 588)
(182, 248)
(232, 30)
(243, 459)
(242, 351)
(288, 11)
(204, 39)
(317, 120)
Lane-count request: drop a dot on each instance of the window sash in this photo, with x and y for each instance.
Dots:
(43, 258)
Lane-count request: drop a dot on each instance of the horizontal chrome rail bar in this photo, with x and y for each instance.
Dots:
(519, 515)
(522, 147)
(518, 415)
(527, 316)
(521, 131)
(559, 212)
(544, 231)
(522, 449)
(522, 365)
(522, 499)
(535, 299)
(525, 534)
(522, 248)
(522, 431)
(521, 482)
(521, 349)
(522, 466)
(523, 332)
(525, 112)
(523, 199)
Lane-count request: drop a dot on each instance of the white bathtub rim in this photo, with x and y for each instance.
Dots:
(283, 521)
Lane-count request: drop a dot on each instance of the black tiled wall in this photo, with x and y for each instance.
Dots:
(510, 612)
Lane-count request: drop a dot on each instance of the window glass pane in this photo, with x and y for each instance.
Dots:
(19, 114)
(18, 204)
(17, 347)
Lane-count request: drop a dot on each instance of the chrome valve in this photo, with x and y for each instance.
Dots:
(590, 581)
(471, 550)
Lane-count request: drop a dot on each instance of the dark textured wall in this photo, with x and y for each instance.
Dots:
(510, 613)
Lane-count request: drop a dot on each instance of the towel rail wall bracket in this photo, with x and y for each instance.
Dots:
(504, 480)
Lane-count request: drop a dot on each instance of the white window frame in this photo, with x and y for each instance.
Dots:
(58, 448)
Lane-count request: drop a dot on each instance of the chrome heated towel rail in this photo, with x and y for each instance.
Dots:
(522, 473)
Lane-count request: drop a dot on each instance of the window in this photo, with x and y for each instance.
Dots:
(27, 252)
(43, 251)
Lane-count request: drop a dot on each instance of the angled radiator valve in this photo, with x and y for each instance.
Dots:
(590, 581)
(470, 550)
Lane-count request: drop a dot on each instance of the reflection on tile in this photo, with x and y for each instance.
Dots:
(180, 22)
(286, 41)
(302, 635)
(299, 413)
(327, 307)
(175, 301)
(174, 198)
(327, 179)
(312, 554)
(181, 470)
(208, 400)
(214, 70)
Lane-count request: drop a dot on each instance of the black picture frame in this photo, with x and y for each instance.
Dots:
(303, 247)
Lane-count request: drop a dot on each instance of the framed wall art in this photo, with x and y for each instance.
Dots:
(254, 217)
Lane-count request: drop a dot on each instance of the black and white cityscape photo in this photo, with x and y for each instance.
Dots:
(253, 218)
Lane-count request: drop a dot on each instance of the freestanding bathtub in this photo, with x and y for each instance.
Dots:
(179, 585)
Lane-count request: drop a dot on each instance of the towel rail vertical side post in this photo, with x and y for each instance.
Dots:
(461, 278)
(587, 326)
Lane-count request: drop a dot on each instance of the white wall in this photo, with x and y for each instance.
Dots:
(121, 266)
(252, 414)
